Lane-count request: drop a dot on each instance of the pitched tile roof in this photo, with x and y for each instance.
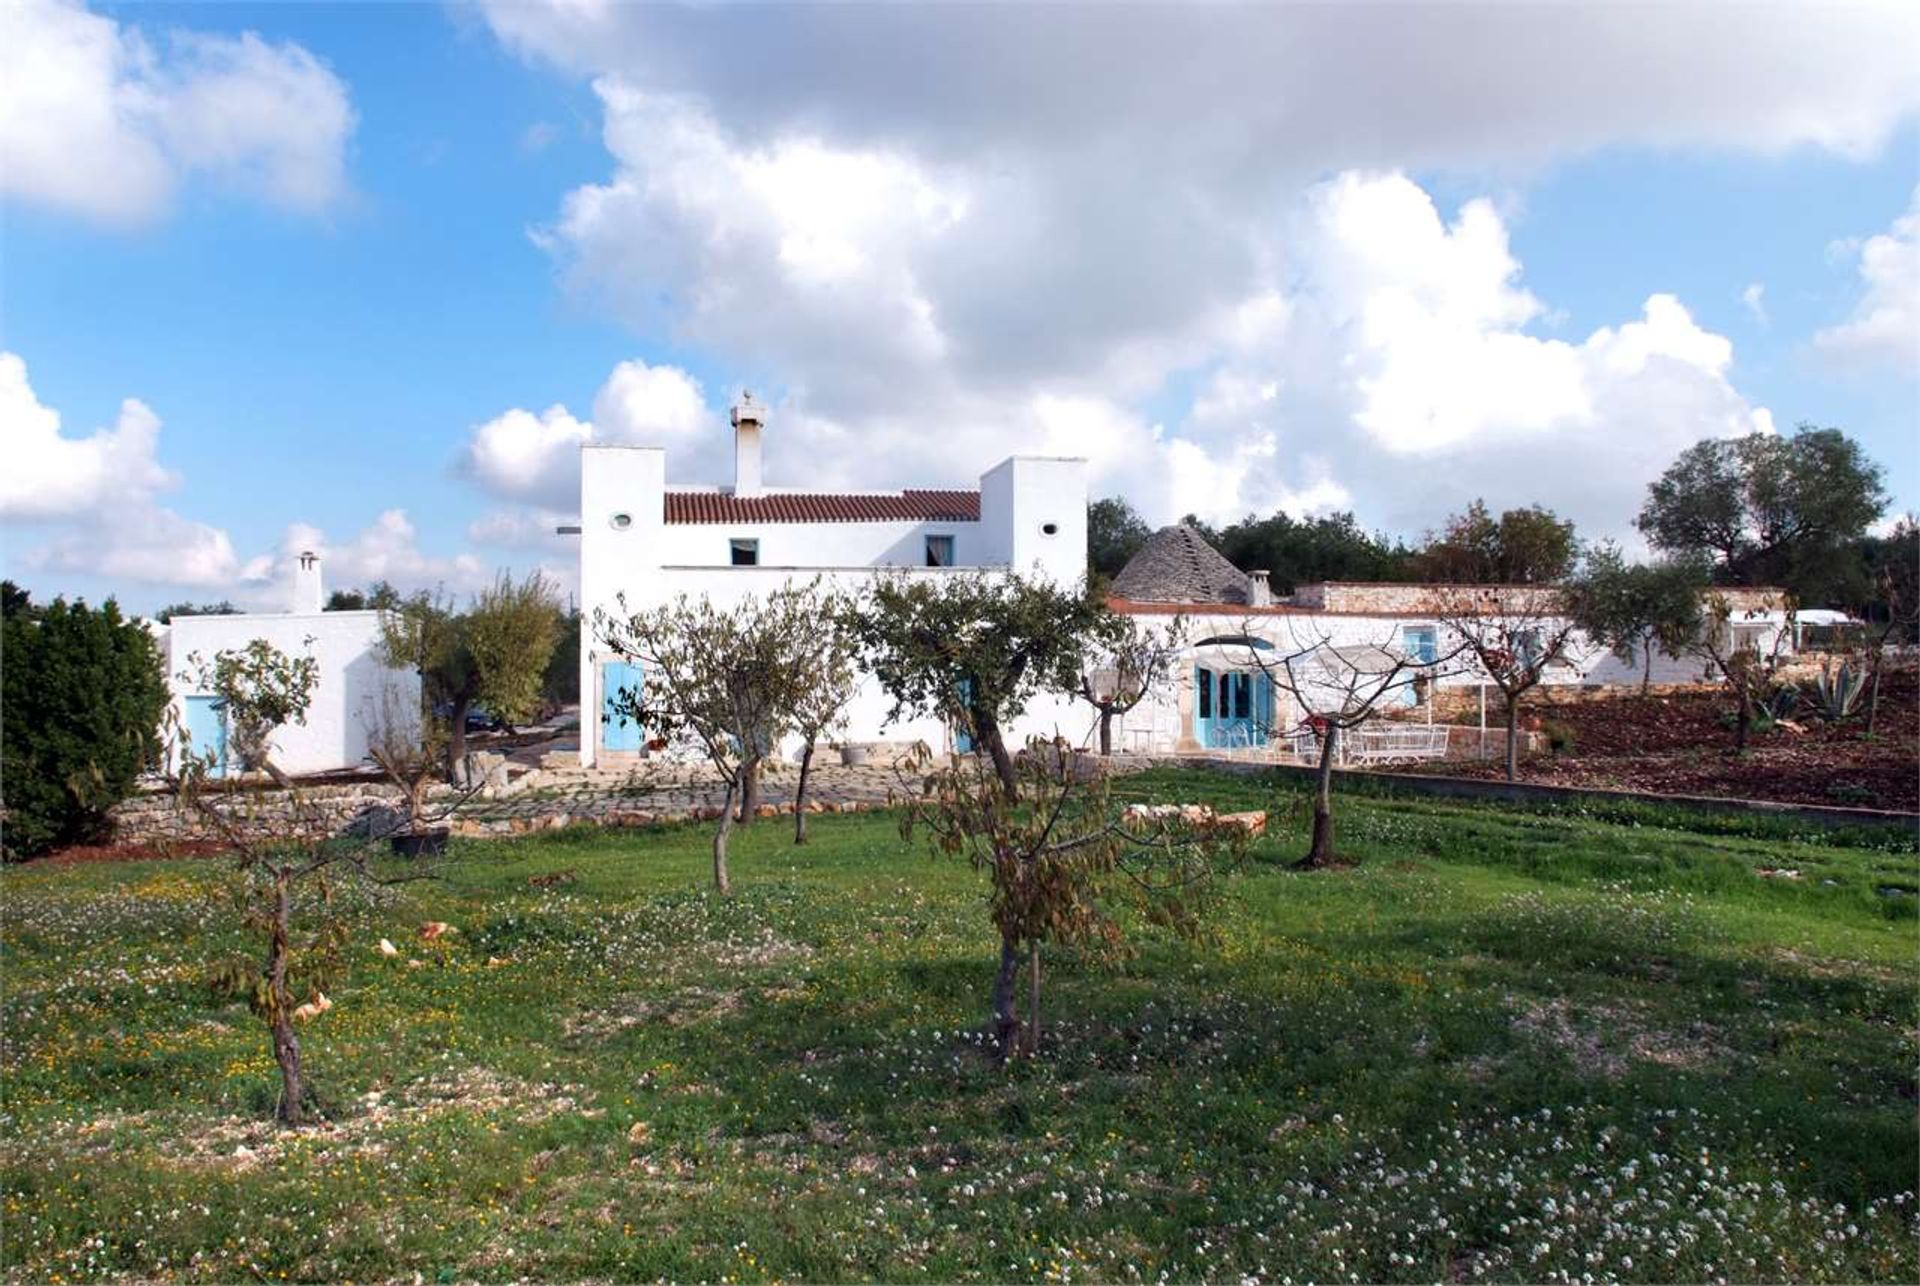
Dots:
(1177, 565)
(823, 506)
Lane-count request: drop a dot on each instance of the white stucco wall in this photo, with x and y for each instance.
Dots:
(627, 548)
(1164, 722)
(346, 698)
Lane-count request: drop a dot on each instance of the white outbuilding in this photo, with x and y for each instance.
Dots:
(347, 698)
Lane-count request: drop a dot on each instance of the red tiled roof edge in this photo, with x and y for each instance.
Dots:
(823, 506)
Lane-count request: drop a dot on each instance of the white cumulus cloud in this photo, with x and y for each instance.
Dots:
(100, 119)
(1885, 326)
(535, 459)
(50, 476)
(994, 252)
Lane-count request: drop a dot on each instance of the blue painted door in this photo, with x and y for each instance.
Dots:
(962, 739)
(619, 730)
(207, 732)
(1203, 694)
(1231, 709)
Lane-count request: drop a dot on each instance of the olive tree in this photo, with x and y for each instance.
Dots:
(1768, 508)
(494, 653)
(724, 682)
(1126, 664)
(1064, 865)
(1513, 634)
(1637, 609)
(975, 648)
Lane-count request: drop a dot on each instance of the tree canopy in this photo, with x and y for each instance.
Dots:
(1637, 609)
(727, 682)
(1528, 546)
(494, 653)
(1770, 510)
(975, 649)
(1114, 534)
(1304, 551)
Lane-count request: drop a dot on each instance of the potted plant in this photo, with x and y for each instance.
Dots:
(409, 747)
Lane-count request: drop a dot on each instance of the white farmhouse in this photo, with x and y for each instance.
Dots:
(346, 700)
(649, 542)
(1220, 697)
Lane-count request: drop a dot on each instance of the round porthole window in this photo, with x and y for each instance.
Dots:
(621, 522)
(1050, 529)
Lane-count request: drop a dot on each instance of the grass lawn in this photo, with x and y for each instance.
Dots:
(1509, 1044)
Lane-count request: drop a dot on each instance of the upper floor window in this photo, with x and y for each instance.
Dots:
(1419, 643)
(939, 551)
(745, 553)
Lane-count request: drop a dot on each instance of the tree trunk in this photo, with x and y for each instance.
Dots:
(800, 795)
(1320, 850)
(749, 790)
(1873, 691)
(286, 1045)
(1513, 737)
(1743, 720)
(1033, 998)
(1646, 664)
(1005, 1021)
(988, 731)
(457, 741)
(720, 836)
(1106, 729)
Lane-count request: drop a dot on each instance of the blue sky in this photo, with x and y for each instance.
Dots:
(473, 212)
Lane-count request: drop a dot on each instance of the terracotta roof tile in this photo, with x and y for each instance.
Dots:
(823, 506)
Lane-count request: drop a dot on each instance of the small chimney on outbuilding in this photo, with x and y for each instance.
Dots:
(1262, 593)
(747, 421)
(307, 595)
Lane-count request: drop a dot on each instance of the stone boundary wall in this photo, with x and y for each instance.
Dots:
(653, 792)
(1407, 598)
(1521, 792)
(1461, 704)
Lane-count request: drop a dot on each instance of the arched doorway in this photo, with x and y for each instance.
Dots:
(1232, 695)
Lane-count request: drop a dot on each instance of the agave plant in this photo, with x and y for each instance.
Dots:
(1837, 689)
(1778, 703)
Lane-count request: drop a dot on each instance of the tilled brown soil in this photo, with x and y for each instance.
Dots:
(1683, 745)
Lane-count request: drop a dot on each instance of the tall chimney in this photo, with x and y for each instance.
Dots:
(307, 598)
(1262, 595)
(747, 419)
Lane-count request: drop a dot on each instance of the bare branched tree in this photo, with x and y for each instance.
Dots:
(1514, 634)
(1062, 860)
(1742, 651)
(409, 745)
(1339, 687)
(1125, 668)
(821, 699)
(722, 682)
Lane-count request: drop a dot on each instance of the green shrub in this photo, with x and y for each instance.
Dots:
(81, 700)
(1560, 736)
